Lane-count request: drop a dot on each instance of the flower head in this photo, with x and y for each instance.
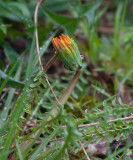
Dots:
(67, 51)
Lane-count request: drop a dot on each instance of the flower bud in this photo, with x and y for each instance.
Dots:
(67, 51)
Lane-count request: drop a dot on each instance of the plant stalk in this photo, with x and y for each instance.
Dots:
(49, 63)
(66, 95)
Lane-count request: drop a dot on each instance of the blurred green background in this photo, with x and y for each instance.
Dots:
(103, 31)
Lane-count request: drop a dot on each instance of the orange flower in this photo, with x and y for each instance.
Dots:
(67, 51)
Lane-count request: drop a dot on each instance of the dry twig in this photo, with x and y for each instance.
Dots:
(110, 121)
(97, 124)
(37, 46)
(84, 150)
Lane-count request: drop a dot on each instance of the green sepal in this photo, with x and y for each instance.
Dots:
(65, 60)
(78, 57)
(71, 60)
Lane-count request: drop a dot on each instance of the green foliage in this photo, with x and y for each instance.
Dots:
(69, 24)
(101, 99)
(11, 82)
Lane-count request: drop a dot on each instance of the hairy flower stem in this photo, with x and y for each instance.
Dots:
(70, 88)
(66, 95)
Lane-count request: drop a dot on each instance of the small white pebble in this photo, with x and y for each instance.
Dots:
(91, 149)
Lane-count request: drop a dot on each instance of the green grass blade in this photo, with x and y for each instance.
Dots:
(126, 77)
(43, 144)
(19, 104)
(9, 100)
(33, 142)
(19, 152)
(11, 81)
(44, 47)
(8, 76)
(11, 54)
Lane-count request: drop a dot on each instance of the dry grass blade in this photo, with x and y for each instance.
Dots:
(37, 46)
(110, 121)
(84, 150)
